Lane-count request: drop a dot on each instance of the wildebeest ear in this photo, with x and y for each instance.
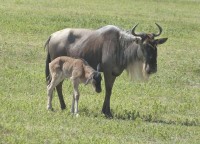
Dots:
(160, 41)
(98, 67)
(138, 40)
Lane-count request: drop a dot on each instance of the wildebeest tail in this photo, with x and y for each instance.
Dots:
(48, 79)
(48, 60)
(46, 45)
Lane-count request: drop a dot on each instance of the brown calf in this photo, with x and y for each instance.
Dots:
(78, 71)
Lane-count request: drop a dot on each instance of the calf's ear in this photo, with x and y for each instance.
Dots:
(98, 67)
(161, 41)
(88, 80)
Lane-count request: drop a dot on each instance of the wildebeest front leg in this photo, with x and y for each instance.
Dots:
(60, 95)
(109, 81)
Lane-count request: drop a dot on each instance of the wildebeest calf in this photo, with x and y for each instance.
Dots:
(78, 71)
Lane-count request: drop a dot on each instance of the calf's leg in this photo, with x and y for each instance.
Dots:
(49, 96)
(56, 79)
(60, 96)
(75, 99)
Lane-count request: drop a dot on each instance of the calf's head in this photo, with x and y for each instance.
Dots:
(95, 80)
(148, 49)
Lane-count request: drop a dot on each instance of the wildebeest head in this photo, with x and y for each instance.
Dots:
(96, 80)
(148, 49)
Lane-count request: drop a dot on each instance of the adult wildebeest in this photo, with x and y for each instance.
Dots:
(110, 46)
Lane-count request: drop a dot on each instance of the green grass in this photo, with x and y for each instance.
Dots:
(163, 110)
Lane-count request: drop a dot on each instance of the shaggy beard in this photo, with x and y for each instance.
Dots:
(137, 71)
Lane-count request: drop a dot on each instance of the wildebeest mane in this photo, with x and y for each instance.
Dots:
(131, 55)
(127, 54)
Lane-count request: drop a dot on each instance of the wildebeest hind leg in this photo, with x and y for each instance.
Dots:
(60, 95)
(109, 81)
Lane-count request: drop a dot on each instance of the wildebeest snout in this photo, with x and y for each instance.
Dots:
(150, 69)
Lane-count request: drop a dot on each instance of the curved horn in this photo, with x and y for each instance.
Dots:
(98, 67)
(160, 30)
(133, 31)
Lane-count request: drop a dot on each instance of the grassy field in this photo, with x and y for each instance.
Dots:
(164, 110)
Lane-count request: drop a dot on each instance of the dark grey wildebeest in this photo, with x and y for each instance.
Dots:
(112, 47)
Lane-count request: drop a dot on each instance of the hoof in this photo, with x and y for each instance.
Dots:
(50, 109)
(76, 115)
(107, 115)
(63, 107)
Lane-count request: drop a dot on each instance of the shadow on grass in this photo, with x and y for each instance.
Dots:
(183, 123)
(133, 115)
(152, 118)
(197, 71)
(4, 131)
